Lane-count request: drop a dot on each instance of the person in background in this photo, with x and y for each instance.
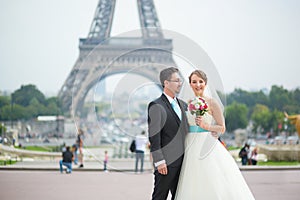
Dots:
(63, 147)
(67, 156)
(243, 154)
(254, 155)
(79, 143)
(105, 161)
(74, 150)
(141, 142)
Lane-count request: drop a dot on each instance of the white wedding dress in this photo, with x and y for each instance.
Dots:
(208, 171)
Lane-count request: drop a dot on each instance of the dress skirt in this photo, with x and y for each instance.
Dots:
(209, 172)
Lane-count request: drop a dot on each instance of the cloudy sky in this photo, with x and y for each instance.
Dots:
(253, 43)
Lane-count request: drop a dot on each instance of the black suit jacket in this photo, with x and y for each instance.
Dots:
(166, 131)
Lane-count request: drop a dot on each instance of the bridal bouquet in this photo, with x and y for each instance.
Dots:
(198, 106)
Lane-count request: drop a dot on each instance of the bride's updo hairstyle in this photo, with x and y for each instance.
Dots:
(200, 74)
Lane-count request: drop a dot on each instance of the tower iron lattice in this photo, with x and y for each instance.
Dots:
(101, 55)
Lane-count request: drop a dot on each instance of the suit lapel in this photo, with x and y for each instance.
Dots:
(183, 109)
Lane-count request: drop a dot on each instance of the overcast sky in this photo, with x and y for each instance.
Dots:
(253, 43)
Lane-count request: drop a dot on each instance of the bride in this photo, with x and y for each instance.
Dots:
(208, 170)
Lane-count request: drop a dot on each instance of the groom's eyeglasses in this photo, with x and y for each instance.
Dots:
(176, 81)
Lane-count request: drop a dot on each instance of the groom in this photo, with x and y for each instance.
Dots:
(167, 124)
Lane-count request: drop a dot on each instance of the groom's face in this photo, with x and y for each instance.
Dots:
(174, 84)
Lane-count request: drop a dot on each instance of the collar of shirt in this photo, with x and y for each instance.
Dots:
(170, 98)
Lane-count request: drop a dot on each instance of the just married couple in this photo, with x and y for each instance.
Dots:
(189, 160)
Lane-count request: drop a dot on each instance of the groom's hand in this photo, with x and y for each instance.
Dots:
(215, 134)
(162, 169)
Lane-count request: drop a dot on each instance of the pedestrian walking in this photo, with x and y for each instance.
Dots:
(141, 142)
(105, 161)
(79, 143)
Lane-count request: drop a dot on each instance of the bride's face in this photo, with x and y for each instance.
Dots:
(198, 85)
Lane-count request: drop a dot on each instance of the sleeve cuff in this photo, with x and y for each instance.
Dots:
(159, 163)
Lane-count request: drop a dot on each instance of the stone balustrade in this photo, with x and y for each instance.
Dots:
(281, 152)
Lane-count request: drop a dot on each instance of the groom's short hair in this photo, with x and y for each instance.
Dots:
(166, 74)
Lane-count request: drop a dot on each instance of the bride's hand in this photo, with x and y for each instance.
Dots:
(199, 121)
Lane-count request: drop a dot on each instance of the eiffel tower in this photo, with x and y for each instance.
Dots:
(122, 54)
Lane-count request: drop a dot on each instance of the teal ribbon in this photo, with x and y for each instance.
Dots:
(197, 129)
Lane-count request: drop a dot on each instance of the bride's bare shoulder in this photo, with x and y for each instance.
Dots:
(210, 100)
(212, 103)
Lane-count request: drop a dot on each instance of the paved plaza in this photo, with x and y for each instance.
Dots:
(88, 184)
(40, 179)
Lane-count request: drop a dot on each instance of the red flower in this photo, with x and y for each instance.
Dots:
(198, 106)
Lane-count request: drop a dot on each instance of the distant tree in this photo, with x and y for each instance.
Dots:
(2, 129)
(52, 109)
(261, 118)
(277, 121)
(14, 112)
(27, 103)
(4, 100)
(35, 108)
(236, 116)
(260, 98)
(279, 98)
(53, 106)
(294, 107)
(296, 95)
(52, 100)
(26, 93)
(5, 113)
(241, 96)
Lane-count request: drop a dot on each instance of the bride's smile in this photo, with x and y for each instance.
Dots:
(197, 84)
